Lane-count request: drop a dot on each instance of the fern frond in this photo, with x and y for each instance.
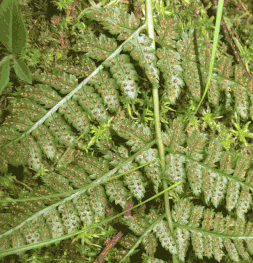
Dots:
(153, 170)
(97, 48)
(163, 233)
(85, 67)
(166, 29)
(215, 184)
(204, 240)
(107, 87)
(125, 75)
(134, 180)
(150, 244)
(115, 20)
(63, 82)
(170, 65)
(92, 103)
(196, 72)
(141, 50)
(136, 134)
(78, 189)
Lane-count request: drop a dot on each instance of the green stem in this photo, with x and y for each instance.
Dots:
(29, 188)
(151, 34)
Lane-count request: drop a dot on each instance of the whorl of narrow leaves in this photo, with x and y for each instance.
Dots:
(97, 48)
(170, 65)
(116, 21)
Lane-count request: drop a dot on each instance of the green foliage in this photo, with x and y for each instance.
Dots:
(84, 236)
(93, 100)
(62, 4)
(13, 31)
(4, 73)
(31, 54)
(14, 38)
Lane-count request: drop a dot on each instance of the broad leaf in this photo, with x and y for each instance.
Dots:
(4, 74)
(22, 70)
(13, 32)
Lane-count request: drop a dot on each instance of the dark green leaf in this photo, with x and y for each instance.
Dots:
(4, 74)
(22, 70)
(13, 32)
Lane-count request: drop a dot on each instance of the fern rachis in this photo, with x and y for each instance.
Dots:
(53, 122)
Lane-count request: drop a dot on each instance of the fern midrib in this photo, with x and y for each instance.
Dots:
(208, 168)
(78, 192)
(67, 97)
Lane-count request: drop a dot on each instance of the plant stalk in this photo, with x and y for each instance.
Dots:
(151, 34)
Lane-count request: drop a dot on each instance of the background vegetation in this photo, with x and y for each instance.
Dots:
(45, 50)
